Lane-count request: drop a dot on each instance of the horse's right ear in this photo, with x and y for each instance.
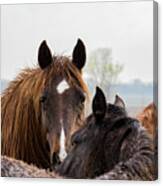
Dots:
(79, 55)
(99, 104)
(44, 55)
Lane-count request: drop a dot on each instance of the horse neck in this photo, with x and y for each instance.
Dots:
(22, 134)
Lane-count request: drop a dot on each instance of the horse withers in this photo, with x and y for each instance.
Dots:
(110, 145)
(43, 107)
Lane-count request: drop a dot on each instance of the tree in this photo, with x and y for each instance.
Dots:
(102, 69)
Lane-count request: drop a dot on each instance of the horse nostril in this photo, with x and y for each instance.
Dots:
(55, 159)
(47, 146)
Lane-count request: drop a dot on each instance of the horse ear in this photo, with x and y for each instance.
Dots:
(99, 104)
(44, 55)
(79, 55)
(119, 101)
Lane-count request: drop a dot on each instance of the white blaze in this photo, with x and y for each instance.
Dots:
(62, 151)
(63, 85)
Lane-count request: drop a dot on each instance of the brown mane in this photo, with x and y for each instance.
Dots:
(22, 136)
(148, 118)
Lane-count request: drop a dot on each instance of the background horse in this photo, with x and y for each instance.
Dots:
(43, 107)
(148, 118)
(110, 143)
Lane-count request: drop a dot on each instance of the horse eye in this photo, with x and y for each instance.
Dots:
(43, 98)
(82, 96)
(75, 139)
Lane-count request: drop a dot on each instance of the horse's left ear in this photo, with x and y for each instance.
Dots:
(99, 104)
(119, 101)
(79, 55)
(44, 55)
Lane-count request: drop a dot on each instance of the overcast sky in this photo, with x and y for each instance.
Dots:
(126, 27)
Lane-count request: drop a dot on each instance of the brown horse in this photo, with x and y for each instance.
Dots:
(148, 118)
(43, 107)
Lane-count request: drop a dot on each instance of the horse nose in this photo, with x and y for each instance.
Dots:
(55, 159)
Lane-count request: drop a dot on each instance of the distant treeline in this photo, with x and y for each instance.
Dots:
(136, 94)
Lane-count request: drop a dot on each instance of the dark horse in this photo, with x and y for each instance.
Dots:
(43, 107)
(110, 142)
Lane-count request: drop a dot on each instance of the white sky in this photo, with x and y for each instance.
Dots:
(126, 27)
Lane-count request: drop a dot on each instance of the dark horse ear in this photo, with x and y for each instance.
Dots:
(99, 104)
(79, 55)
(119, 101)
(44, 55)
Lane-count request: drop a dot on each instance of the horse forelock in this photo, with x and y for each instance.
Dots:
(62, 66)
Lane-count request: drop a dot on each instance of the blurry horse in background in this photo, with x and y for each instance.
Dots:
(43, 107)
(148, 118)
